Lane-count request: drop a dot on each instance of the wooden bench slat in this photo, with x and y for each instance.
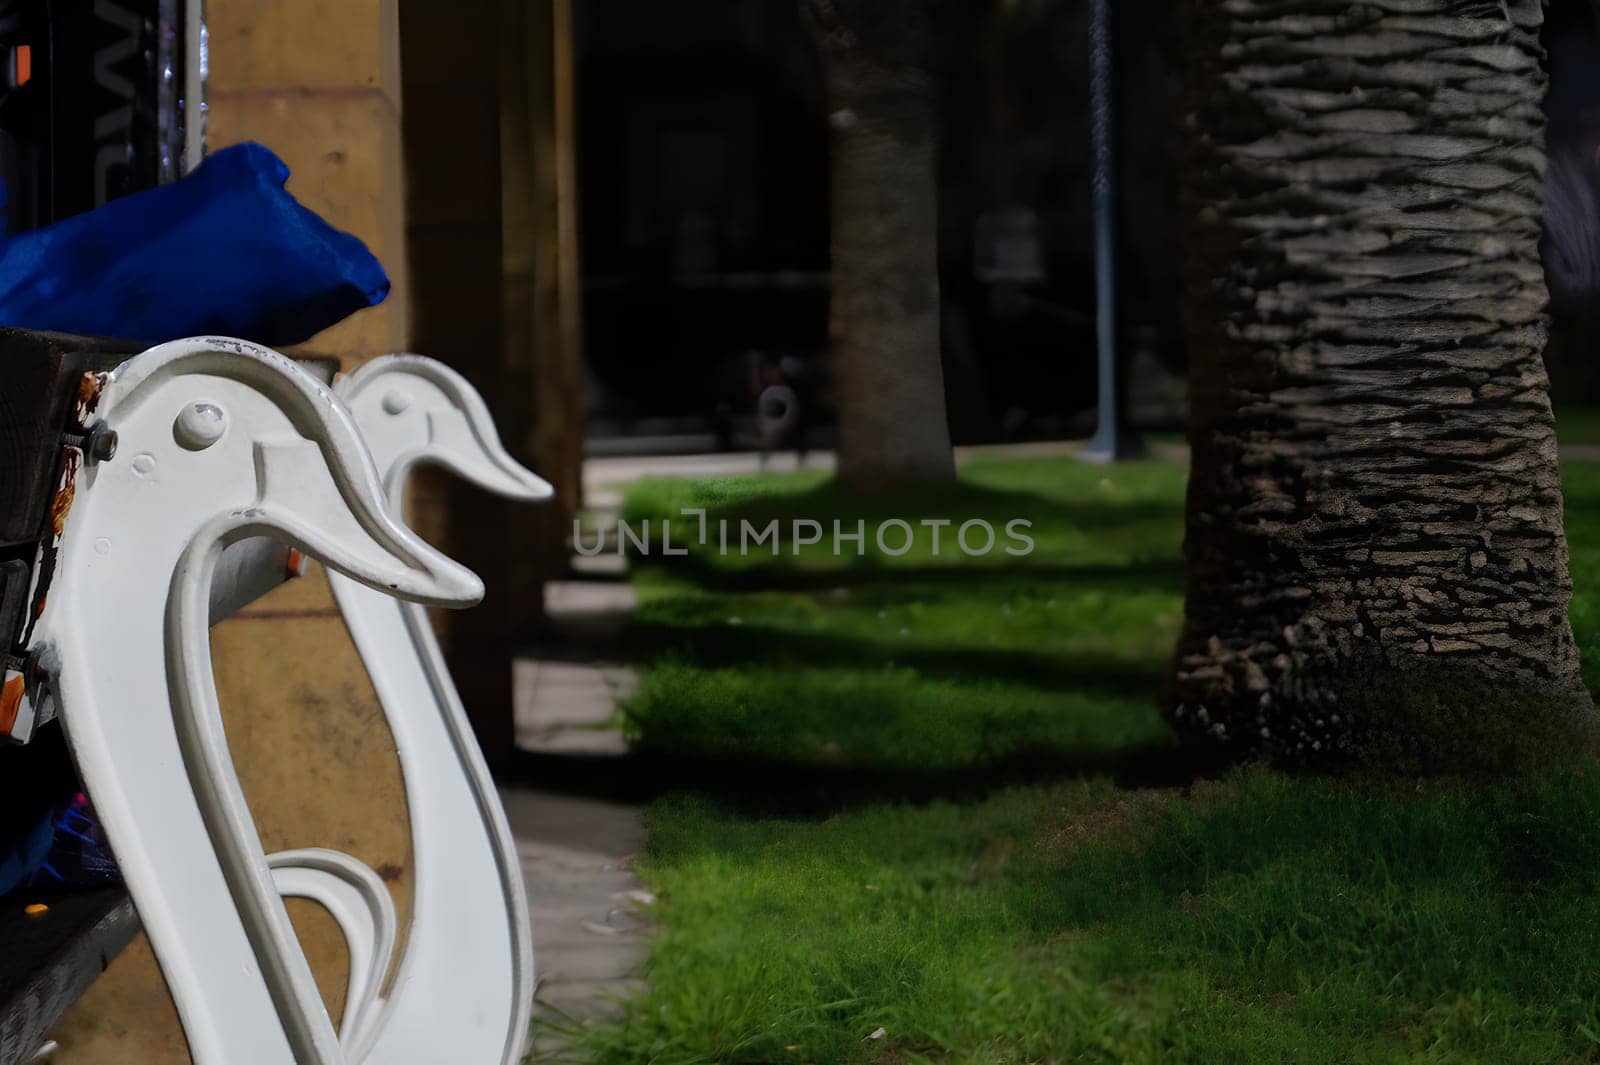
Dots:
(48, 960)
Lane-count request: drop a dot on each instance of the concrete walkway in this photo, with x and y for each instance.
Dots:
(590, 929)
(590, 933)
(570, 707)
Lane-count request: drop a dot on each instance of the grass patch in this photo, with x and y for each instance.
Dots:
(1055, 915)
(924, 660)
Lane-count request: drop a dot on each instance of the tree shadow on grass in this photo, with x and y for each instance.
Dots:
(751, 496)
(1128, 547)
(798, 785)
(725, 645)
(1165, 574)
(1156, 518)
(775, 787)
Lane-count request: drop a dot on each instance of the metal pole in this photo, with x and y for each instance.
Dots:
(1112, 440)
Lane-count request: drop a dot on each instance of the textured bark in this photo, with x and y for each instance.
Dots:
(884, 318)
(1377, 567)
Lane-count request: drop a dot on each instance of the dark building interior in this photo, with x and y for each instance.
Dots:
(703, 159)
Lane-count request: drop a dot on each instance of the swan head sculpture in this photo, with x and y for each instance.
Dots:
(413, 409)
(234, 437)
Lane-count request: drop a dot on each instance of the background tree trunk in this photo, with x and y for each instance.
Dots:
(1377, 567)
(884, 318)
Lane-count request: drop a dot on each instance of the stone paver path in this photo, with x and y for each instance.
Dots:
(570, 707)
(590, 934)
(590, 929)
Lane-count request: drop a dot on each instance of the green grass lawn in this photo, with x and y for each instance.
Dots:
(969, 851)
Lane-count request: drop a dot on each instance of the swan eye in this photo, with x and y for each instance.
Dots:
(199, 425)
(395, 401)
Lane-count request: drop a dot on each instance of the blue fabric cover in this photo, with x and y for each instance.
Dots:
(226, 250)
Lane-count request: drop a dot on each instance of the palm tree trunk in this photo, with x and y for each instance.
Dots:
(884, 318)
(1377, 566)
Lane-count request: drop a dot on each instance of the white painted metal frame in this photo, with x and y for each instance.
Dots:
(222, 441)
(464, 988)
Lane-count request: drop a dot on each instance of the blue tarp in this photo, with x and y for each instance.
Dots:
(225, 251)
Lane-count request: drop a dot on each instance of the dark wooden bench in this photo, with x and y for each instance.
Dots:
(53, 945)
(48, 959)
